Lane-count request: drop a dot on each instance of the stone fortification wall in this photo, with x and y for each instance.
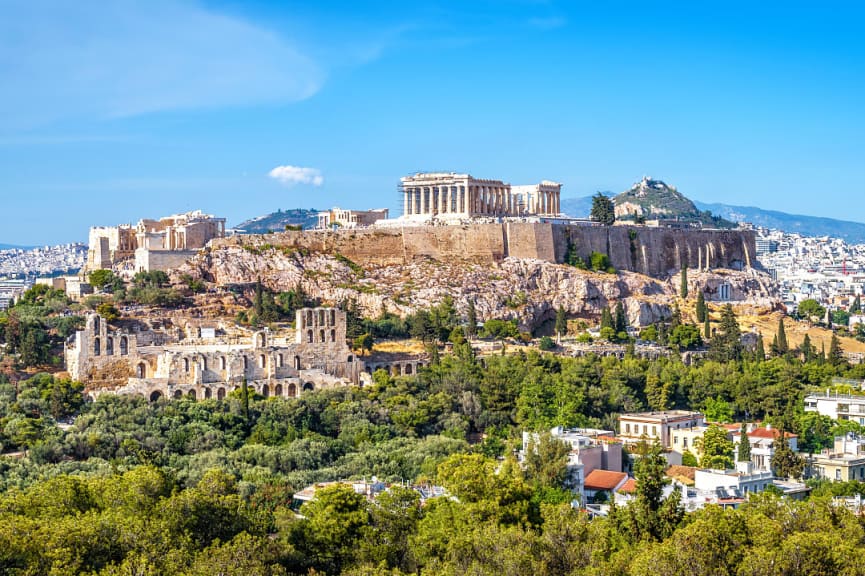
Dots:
(655, 252)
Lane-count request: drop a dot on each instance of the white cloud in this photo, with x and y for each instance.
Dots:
(291, 175)
(118, 58)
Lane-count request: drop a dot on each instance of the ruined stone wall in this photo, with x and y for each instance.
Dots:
(656, 252)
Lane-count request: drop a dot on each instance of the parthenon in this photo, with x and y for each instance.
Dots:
(450, 195)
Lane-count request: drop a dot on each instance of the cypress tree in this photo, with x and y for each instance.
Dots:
(244, 399)
(701, 307)
(759, 350)
(857, 306)
(561, 323)
(782, 338)
(836, 355)
(606, 318)
(471, 320)
(621, 322)
(684, 282)
(807, 349)
(707, 330)
(744, 452)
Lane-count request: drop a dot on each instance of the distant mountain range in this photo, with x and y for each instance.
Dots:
(14, 247)
(853, 232)
(277, 221)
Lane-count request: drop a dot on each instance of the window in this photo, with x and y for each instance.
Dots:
(675, 440)
(186, 364)
(684, 442)
(837, 474)
(627, 428)
(96, 347)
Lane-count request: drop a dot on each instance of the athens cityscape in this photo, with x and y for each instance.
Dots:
(535, 288)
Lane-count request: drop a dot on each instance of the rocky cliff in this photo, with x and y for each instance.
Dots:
(529, 290)
(655, 252)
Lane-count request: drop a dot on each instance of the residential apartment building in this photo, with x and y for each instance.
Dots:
(845, 462)
(652, 426)
(837, 406)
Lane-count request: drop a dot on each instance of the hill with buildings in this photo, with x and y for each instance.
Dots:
(277, 221)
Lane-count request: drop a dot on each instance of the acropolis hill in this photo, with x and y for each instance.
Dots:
(655, 252)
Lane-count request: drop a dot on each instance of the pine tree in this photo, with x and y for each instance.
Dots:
(621, 322)
(701, 307)
(744, 452)
(561, 323)
(727, 343)
(603, 210)
(471, 320)
(684, 282)
(782, 338)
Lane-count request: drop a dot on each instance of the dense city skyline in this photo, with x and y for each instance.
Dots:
(124, 110)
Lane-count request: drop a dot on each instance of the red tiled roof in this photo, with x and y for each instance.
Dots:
(603, 480)
(676, 471)
(629, 487)
(768, 433)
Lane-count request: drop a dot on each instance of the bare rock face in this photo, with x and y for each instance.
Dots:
(527, 290)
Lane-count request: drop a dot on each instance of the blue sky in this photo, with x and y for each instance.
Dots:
(116, 110)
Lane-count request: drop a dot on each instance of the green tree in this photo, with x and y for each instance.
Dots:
(718, 410)
(856, 307)
(546, 343)
(600, 262)
(603, 210)
(364, 343)
(607, 319)
(836, 354)
(620, 321)
(334, 524)
(701, 307)
(840, 318)
(100, 279)
(561, 326)
(780, 346)
(707, 328)
(743, 454)
(650, 516)
(808, 350)
(683, 289)
(759, 349)
(726, 346)
(717, 448)
(108, 311)
(811, 310)
(546, 462)
(785, 462)
(685, 336)
(471, 320)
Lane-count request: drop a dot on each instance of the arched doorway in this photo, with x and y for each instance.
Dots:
(220, 393)
(208, 393)
(308, 387)
(178, 394)
(141, 370)
(292, 391)
(191, 394)
(124, 346)
(155, 395)
(278, 390)
(265, 390)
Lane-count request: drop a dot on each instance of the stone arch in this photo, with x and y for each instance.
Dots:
(262, 361)
(220, 393)
(155, 395)
(333, 317)
(178, 394)
(321, 335)
(309, 336)
(261, 339)
(109, 346)
(186, 364)
(292, 391)
(308, 387)
(124, 345)
(278, 390)
(408, 369)
(96, 323)
(279, 360)
(97, 346)
(245, 363)
(191, 394)
(208, 393)
(204, 362)
(222, 363)
(297, 362)
(397, 370)
(141, 370)
(265, 390)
